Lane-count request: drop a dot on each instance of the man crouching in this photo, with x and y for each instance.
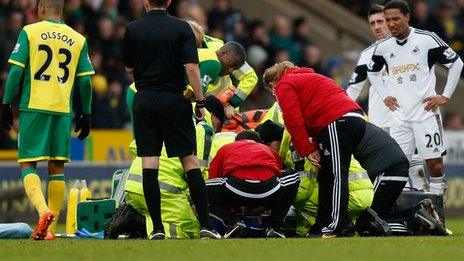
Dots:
(246, 173)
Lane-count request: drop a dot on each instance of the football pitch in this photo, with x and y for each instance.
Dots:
(392, 249)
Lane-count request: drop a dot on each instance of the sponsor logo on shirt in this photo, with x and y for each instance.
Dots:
(405, 68)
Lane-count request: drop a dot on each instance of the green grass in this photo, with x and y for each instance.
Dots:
(392, 249)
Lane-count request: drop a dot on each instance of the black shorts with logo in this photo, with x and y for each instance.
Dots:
(163, 117)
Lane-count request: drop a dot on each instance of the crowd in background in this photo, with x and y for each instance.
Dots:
(103, 22)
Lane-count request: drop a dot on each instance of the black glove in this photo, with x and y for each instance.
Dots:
(6, 117)
(83, 124)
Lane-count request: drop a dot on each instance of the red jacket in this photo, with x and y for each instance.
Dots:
(309, 103)
(246, 160)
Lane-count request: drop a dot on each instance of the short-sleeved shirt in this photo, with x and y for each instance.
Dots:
(410, 65)
(157, 46)
(52, 55)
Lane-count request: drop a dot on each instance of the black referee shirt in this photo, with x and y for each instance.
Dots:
(157, 46)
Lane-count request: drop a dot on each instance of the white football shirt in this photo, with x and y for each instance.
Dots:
(410, 65)
(378, 113)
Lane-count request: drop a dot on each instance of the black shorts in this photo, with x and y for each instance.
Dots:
(163, 117)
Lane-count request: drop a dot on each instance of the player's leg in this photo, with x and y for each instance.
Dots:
(149, 142)
(33, 146)
(56, 189)
(60, 146)
(429, 139)
(437, 176)
(417, 179)
(403, 133)
(33, 186)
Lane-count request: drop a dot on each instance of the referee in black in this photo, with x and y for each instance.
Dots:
(155, 49)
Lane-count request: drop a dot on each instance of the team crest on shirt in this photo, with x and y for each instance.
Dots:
(416, 50)
(392, 55)
(16, 48)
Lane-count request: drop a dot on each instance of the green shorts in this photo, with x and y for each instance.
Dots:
(43, 136)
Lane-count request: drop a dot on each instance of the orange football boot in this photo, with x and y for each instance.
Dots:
(45, 221)
(50, 236)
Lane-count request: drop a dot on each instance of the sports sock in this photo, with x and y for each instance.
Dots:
(33, 186)
(416, 178)
(152, 194)
(56, 188)
(437, 185)
(199, 196)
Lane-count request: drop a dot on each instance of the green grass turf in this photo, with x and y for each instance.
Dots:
(392, 249)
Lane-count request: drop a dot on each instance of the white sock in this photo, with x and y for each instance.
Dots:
(437, 185)
(416, 178)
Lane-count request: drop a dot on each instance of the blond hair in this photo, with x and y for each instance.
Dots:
(274, 72)
(198, 31)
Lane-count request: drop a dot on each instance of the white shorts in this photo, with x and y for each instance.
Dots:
(426, 136)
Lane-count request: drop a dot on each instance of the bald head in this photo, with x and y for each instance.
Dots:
(52, 6)
(232, 56)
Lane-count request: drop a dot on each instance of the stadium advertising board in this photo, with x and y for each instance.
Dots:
(106, 152)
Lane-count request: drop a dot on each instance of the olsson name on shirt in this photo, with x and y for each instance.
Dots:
(57, 35)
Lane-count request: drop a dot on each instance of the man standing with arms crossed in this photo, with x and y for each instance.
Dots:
(379, 113)
(410, 56)
(155, 49)
(52, 57)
